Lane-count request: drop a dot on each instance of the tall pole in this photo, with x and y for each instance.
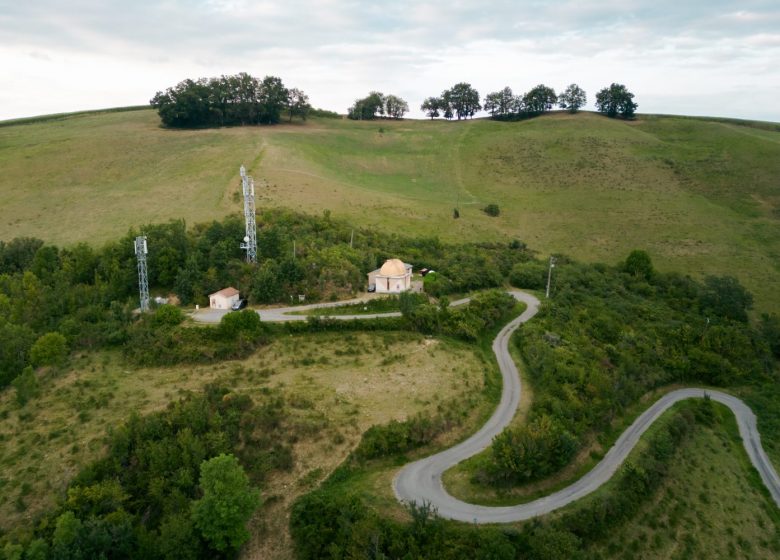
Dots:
(250, 237)
(143, 278)
(549, 276)
(351, 238)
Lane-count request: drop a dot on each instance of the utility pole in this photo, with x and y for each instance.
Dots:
(549, 275)
(351, 237)
(143, 280)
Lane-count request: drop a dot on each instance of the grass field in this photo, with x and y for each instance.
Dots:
(335, 386)
(701, 196)
(710, 506)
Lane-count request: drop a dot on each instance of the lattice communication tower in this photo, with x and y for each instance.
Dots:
(143, 280)
(250, 238)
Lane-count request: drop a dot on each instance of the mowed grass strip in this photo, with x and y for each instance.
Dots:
(701, 196)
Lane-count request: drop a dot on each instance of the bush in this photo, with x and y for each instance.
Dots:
(244, 323)
(26, 386)
(530, 275)
(492, 210)
(49, 350)
(168, 315)
(532, 451)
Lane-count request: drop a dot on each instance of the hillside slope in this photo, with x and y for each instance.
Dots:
(701, 196)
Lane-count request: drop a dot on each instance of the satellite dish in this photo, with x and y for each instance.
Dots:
(246, 238)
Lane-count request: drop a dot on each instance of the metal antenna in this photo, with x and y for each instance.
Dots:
(143, 279)
(250, 238)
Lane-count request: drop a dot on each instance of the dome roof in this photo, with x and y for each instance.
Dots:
(393, 267)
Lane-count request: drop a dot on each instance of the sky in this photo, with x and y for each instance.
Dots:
(715, 58)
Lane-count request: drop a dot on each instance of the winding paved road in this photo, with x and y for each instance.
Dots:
(421, 482)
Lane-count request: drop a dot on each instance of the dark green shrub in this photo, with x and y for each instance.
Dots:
(492, 210)
(49, 350)
(530, 275)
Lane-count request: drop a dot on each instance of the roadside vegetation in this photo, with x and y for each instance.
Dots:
(340, 518)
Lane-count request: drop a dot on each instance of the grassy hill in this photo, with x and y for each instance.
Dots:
(701, 196)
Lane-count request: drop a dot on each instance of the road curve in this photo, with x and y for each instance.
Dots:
(420, 482)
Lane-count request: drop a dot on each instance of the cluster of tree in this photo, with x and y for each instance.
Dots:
(85, 296)
(532, 451)
(460, 101)
(335, 522)
(615, 101)
(173, 484)
(468, 322)
(463, 101)
(505, 105)
(377, 104)
(229, 100)
(611, 334)
(159, 339)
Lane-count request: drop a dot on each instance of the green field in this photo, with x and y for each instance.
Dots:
(711, 505)
(702, 197)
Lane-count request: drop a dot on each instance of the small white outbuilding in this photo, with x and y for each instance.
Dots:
(223, 299)
(393, 277)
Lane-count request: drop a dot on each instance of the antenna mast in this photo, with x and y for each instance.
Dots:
(250, 238)
(143, 279)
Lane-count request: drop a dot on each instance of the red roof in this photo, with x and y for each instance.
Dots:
(226, 292)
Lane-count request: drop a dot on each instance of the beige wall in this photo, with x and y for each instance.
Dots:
(393, 284)
(222, 302)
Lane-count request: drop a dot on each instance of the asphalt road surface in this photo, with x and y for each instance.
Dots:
(420, 482)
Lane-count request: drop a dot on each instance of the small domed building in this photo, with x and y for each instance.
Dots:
(393, 277)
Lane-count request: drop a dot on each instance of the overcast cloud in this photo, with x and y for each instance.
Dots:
(716, 58)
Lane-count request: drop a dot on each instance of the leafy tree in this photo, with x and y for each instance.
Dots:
(431, 106)
(18, 254)
(168, 315)
(245, 322)
(368, 108)
(770, 328)
(395, 107)
(492, 104)
(638, 264)
(227, 504)
(462, 100)
(726, 297)
(227, 100)
(539, 99)
(38, 549)
(266, 286)
(50, 349)
(15, 349)
(534, 450)
(12, 551)
(616, 100)
(572, 98)
(297, 104)
(531, 275)
(26, 385)
(500, 104)
(66, 541)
